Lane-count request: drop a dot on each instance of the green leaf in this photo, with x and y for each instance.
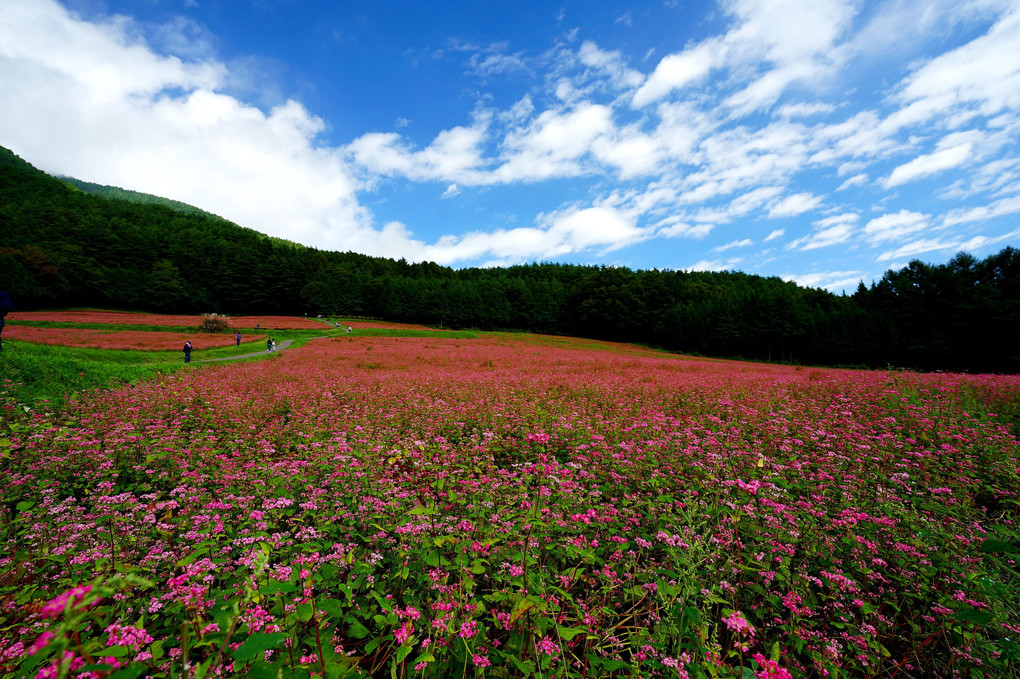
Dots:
(115, 651)
(277, 588)
(358, 631)
(256, 644)
(973, 615)
(523, 605)
(96, 667)
(403, 651)
(305, 612)
(525, 667)
(334, 608)
(569, 633)
(424, 657)
(612, 665)
(418, 511)
(132, 671)
(993, 546)
(200, 550)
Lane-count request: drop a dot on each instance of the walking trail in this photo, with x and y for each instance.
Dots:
(279, 347)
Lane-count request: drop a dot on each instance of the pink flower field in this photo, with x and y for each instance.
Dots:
(121, 339)
(99, 316)
(138, 318)
(512, 507)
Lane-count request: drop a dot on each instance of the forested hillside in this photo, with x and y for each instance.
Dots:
(61, 247)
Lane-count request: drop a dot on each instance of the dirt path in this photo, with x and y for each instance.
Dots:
(279, 347)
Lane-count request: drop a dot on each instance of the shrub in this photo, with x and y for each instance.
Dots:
(214, 323)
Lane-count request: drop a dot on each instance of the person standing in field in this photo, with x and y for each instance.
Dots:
(5, 305)
(187, 351)
(237, 337)
(269, 344)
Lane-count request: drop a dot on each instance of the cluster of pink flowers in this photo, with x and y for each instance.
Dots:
(393, 481)
(69, 600)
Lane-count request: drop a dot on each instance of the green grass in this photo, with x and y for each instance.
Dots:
(33, 374)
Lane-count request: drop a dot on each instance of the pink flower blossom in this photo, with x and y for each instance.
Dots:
(56, 606)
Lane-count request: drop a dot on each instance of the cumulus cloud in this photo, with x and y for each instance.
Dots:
(92, 100)
(554, 144)
(675, 71)
(760, 120)
(575, 229)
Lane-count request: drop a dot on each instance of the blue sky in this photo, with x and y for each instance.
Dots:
(823, 141)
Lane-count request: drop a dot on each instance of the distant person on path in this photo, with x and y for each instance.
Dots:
(5, 305)
(187, 352)
(269, 344)
(237, 337)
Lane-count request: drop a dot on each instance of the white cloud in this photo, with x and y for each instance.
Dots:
(856, 180)
(895, 226)
(805, 109)
(999, 208)
(797, 204)
(829, 231)
(553, 144)
(728, 130)
(742, 243)
(680, 229)
(828, 280)
(932, 163)
(454, 155)
(935, 245)
(90, 100)
(572, 230)
(984, 73)
(917, 247)
(715, 264)
(611, 63)
(676, 71)
(797, 38)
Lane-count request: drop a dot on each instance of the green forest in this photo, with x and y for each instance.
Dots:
(73, 244)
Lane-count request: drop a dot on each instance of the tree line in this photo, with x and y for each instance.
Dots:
(63, 246)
